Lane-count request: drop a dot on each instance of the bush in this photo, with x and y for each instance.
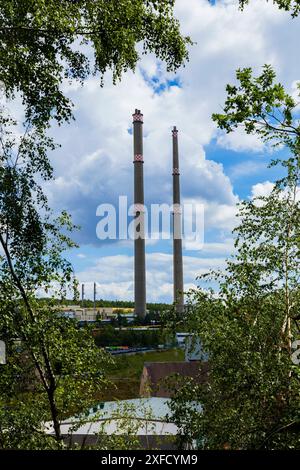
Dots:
(108, 336)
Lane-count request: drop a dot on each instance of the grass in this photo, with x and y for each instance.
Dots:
(126, 372)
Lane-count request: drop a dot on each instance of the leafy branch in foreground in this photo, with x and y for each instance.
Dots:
(248, 324)
(293, 6)
(262, 107)
(43, 43)
(53, 368)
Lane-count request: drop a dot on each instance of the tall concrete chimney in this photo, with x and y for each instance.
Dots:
(177, 229)
(82, 295)
(139, 242)
(95, 294)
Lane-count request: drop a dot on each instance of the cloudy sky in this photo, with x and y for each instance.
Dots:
(94, 164)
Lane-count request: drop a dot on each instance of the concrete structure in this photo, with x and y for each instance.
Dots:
(181, 339)
(154, 379)
(139, 242)
(82, 295)
(91, 314)
(194, 350)
(2, 352)
(147, 417)
(192, 346)
(177, 229)
(95, 295)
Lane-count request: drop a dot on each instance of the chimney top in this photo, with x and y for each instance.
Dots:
(137, 116)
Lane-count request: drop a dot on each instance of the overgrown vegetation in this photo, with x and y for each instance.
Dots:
(125, 373)
(248, 325)
(109, 336)
(43, 44)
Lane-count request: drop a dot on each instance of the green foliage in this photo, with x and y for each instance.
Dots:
(53, 368)
(109, 336)
(126, 370)
(247, 328)
(261, 106)
(293, 6)
(44, 42)
(53, 372)
(152, 307)
(128, 424)
(248, 325)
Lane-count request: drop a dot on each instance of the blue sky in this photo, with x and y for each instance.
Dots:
(94, 164)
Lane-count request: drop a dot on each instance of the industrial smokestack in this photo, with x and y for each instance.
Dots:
(139, 242)
(95, 294)
(177, 229)
(82, 295)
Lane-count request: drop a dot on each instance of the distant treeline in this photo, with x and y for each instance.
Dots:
(107, 303)
(109, 336)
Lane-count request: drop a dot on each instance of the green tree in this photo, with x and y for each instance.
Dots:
(262, 107)
(53, 368)
(41, 45)
(44, 42)
(287, 5)
(248, 325)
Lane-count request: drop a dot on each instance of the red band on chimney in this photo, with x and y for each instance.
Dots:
(177, 209)
(139, 208)
(137, 117)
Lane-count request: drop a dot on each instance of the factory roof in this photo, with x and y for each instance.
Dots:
(154, 376)
(147, 415)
